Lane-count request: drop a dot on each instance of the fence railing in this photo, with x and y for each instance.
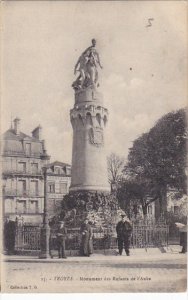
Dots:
(27, 238)
(143, 236)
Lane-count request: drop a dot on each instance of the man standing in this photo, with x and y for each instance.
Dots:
(124, 230)
(183, 239)
(9, 236)
(86, 247)
(61, 237)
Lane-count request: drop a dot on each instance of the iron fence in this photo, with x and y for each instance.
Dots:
(143, 236)
(27, 238)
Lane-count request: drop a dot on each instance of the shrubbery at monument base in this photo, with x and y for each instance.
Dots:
(101, 208)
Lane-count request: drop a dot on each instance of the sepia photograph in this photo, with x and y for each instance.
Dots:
(94, 146)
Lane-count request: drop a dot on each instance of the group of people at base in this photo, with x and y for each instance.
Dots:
(86, 246)
(123, 229)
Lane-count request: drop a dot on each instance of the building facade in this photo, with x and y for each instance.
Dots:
(58, 183)
(23, 158)
(177, 205)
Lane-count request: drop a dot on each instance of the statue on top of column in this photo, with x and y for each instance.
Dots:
(87, 65)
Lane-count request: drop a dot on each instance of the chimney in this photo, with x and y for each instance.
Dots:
(17, 126)
(44, 155)
(44, 146)
(37, 133)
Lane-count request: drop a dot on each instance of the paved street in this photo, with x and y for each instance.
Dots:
(164, 272)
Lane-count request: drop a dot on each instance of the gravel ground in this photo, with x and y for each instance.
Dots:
(157, 273)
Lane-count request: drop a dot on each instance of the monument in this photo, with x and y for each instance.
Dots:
(89, 118)
(89, 194)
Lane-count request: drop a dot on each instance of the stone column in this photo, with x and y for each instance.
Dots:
(89, 163)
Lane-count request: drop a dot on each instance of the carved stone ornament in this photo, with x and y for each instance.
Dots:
(96, 137)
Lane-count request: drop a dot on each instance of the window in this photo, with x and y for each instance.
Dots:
(22, 186)
(33, 207)
(63, 187)
(68, 170)
(9, 206)
(28, 149)
(51, 187)
(57, 170)
(150, 209)
(22, 167)
(34, 168)
(176, 209)
(34, 188)
(21, 207)
(98, 117)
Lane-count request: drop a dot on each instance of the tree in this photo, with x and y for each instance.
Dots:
(115, 167)
(135, 191)
(159, 157)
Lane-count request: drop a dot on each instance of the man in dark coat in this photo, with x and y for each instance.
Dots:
(9, 235)
(124, 230)
(86, 239)
(183, 239)
(61, 237)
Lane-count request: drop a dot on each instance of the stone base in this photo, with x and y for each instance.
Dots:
(89, 188)
(103, 212)
(101, 208)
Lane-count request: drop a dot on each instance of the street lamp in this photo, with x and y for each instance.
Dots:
(45, 230)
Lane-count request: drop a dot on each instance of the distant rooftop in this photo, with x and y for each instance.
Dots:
(11, 135)
(58, 163)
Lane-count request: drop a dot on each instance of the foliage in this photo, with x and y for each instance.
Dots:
(132, 192)
(157, 161)
(100, 208)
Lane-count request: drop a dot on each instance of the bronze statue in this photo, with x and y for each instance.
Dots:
(88, 64)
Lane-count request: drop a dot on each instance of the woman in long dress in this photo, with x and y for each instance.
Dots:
(86, 239)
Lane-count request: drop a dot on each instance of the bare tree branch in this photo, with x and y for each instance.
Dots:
(115, 167)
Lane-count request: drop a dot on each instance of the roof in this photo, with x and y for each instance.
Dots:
(58, 163)
(13, 145)
(38, 127)
(11, 135)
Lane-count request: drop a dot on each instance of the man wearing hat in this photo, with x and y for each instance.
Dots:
(124, 230)
(86, 247)
(61, 237)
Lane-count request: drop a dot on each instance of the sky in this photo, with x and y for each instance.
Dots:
(144, 73)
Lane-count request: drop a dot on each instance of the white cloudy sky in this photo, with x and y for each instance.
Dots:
(144, 73)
